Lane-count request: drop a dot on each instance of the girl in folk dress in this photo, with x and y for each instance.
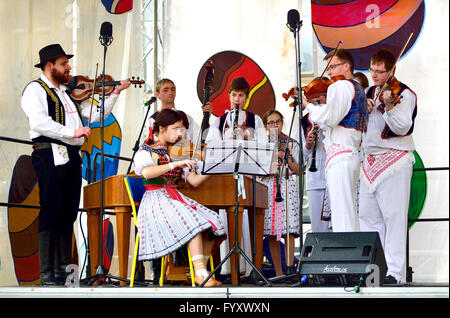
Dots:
(275, 221)
(167, 219)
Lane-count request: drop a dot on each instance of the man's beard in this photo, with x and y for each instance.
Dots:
(59, 77)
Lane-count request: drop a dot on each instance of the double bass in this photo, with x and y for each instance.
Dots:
(185, 149)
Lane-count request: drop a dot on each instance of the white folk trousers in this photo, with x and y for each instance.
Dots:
(342, 177)
(315, 199)
(386, 211)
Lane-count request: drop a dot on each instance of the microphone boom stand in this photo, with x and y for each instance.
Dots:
(101, 274)
(298, 66)
(236, 249)
(136, 145)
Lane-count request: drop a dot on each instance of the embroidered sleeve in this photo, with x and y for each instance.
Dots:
(142, 159)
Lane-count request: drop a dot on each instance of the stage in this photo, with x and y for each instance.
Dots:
(412, 290)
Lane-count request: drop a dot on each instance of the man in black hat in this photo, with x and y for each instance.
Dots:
(57, 132)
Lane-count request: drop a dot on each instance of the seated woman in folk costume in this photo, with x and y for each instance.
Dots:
(167, 219)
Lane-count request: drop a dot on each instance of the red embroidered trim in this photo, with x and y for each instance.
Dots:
(374, 165)
(336, 150)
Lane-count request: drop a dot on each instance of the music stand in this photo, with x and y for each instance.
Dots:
(237, 157)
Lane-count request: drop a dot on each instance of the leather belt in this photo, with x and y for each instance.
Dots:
(41, 145)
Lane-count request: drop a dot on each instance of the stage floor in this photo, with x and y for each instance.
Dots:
(412, 290)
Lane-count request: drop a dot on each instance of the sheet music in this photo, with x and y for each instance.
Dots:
(255, 158)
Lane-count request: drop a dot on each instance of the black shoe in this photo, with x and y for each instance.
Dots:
(156, 271)
(47, 279)
(253, 278)
(289, 270)
(139, 275)
(390, 280)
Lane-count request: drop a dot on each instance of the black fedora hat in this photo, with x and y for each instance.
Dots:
(51, 52)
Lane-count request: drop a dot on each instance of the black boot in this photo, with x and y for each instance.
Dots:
(46, 259)
(63, 258)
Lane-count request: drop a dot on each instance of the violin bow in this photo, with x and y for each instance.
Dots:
(393, 67)
(329, 60)
(92, 96)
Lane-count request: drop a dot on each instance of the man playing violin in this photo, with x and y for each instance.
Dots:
(343, 113)
(388, 164)
(57, 132)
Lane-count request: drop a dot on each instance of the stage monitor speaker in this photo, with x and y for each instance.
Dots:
(343, 259)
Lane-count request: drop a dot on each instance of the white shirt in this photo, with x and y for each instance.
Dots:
(34, 104)
(339, 101)
(214, 134)
(398, 119)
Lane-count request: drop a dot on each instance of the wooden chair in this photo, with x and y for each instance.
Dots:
(136, 190)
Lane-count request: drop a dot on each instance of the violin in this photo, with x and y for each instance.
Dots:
(319, 86)
(393, 85)
(291, 93)
(82, 87)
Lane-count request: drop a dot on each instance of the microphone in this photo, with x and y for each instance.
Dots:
(150, 101)
(106, 37)
(293, 20)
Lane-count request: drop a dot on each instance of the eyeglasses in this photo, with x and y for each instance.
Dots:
(371, 70)
(333, 66)
(273, 123)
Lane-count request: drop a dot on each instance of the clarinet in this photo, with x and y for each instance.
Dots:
(236, 120)
(279, 174)
(313, 167)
